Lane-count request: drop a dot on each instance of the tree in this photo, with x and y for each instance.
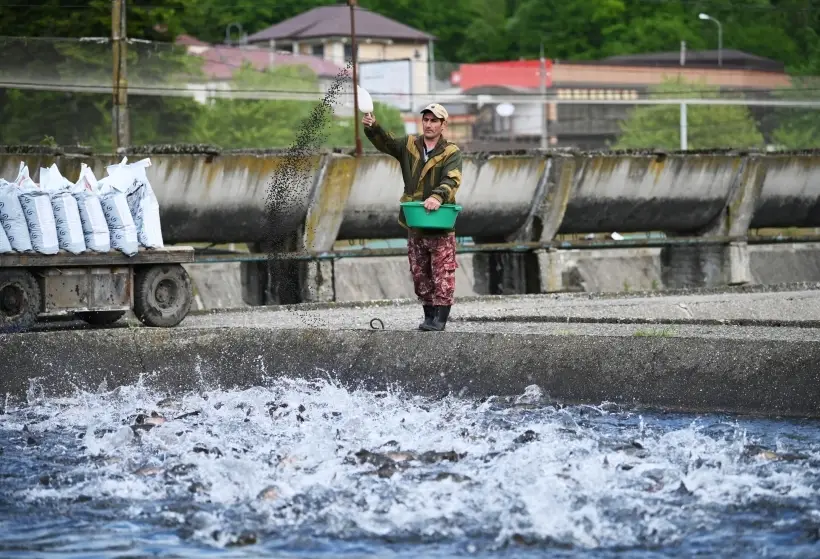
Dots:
(708, 126)
(30, 55)
(251, 123)
(465, 30)
(798, 128)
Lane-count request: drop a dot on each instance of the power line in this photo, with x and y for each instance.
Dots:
(295, 95)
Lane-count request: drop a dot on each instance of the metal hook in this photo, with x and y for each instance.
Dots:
(372, 320)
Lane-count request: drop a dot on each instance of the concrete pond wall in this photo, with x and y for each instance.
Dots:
(245, 197)
(771, 377)
(522, 197)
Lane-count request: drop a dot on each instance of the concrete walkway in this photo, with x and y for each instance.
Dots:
(668, 351)
(733, 315)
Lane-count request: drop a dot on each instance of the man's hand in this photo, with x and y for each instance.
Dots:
(432, 204)
(369, 120)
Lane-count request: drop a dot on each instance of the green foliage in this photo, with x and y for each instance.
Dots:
(30, 54)
(251, 123)
(798, 128)
(154, 21)
(465, 31)
(475, 30)
(708, 126)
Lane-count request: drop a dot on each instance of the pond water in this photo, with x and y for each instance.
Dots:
(311, 469)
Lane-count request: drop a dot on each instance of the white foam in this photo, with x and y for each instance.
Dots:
(572, 485)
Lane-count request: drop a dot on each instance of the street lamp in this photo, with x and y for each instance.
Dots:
(720, 36)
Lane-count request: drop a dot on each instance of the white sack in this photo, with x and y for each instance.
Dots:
(36, 204)
(95, 228)
(70, 234)
(13, 219)
(123, 232)
(133, 180)
(111, 190)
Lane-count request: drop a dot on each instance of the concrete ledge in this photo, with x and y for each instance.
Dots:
(768, 323)
(692, 374)
(380, 303)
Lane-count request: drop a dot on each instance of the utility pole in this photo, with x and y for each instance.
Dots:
(352, 4)
(544, 106)
(683, 118)
(120, 83)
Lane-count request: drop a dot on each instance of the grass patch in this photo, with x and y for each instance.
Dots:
(654, 332)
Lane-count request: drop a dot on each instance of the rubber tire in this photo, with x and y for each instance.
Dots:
(27, 283)
(148, 309)
(100, 318)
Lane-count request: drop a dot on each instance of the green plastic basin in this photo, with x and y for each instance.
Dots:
(442, 218)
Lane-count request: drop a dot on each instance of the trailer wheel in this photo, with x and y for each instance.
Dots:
(162, 295)
(100, 318)
(19, 300)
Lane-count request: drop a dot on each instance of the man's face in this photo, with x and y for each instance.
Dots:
(431, 125)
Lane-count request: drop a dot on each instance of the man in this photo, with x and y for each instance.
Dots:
(431, 169)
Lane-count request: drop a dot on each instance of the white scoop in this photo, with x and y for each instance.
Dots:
(365, 101)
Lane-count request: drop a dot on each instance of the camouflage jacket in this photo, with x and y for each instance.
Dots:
(440, 176)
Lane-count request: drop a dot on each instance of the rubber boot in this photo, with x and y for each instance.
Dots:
(429, 315)
(440, 320)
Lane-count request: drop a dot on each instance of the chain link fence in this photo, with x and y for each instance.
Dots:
(60, 91)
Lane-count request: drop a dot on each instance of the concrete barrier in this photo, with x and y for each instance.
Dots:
(222, 197)
(202, 198)
(365, 279)
(225, 197)
(675, 193)
(790, 194)
(373, 203)
(497, 195)
(771, 377)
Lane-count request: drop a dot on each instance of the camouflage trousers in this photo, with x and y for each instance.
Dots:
(433, 267)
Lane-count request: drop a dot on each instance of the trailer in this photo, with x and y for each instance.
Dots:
(98, 288)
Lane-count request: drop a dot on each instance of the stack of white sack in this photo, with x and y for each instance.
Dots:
(111, 191)
(70, 234)
(141, 199)
(36, 204)
(13, 219)
(95, 226)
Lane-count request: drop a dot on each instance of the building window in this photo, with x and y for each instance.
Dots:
(349, 51)
(318, 50)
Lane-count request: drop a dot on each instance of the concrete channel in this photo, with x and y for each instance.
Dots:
(220, 196)
(747, 351)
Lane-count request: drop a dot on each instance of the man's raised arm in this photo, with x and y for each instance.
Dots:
(381, 139)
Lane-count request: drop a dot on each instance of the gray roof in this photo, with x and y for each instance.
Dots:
(731, 58)
(334, 21)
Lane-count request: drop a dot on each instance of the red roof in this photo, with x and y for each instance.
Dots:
(190, 41)
(513, 73)
(222, 61)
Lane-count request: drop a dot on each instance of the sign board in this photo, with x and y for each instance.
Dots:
(389, 82)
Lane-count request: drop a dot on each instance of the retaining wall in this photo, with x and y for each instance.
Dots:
(773, 377)
(222, 197)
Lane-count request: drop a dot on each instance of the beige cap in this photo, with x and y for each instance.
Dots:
(437, 110)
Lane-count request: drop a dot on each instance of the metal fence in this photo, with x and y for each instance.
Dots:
(61, 91)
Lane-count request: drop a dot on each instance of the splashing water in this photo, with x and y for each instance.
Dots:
(310, 468)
